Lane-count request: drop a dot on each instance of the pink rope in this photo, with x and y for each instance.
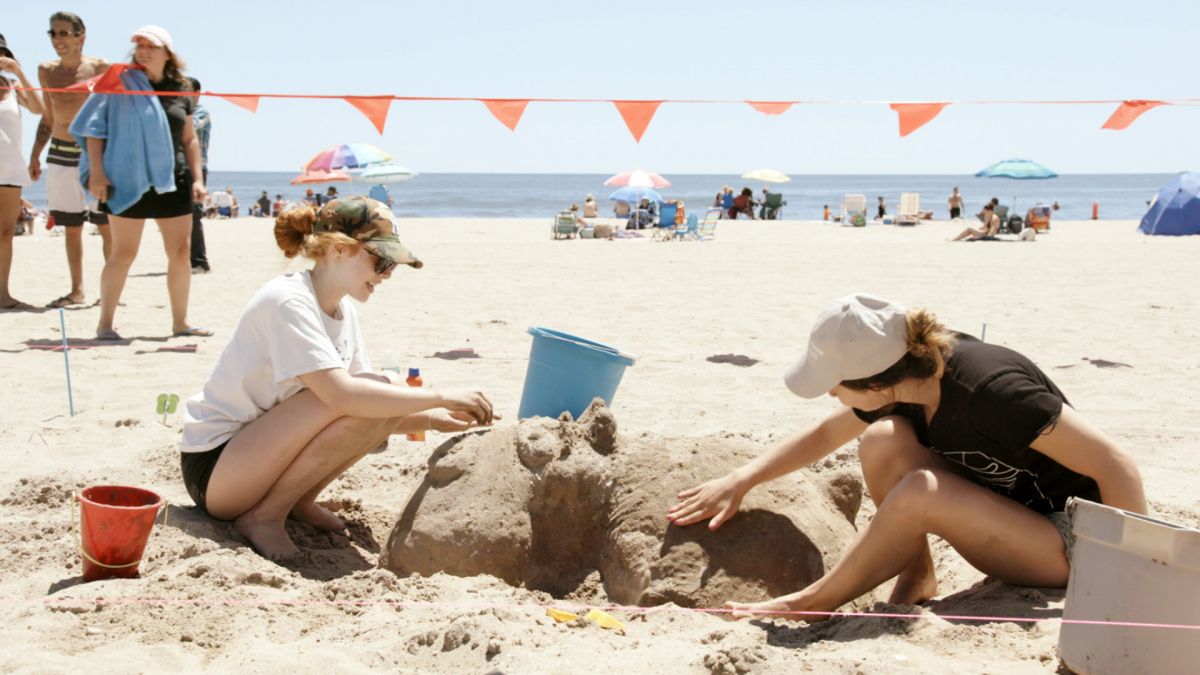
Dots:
(218, 602)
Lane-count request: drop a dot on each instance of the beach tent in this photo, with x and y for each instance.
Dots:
(1176, 209)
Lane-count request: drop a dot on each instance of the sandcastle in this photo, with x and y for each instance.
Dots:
(547, 502)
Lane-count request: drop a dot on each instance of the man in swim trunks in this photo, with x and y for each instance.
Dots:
(70, 205)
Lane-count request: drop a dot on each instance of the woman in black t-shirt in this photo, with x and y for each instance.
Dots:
(172, 210)
(962, 439)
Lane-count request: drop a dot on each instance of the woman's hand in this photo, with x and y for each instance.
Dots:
(473, 403)
(98, 185)
(717, 499)
(199, 192)
(449, 422)
(8, 65)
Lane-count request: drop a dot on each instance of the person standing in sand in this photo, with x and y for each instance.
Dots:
(292, 401)
(162, 186)
(962, 439)
(69, 204)
(14, 175)
(956, 204)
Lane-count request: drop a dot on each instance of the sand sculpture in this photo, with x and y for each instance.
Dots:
(547, 502)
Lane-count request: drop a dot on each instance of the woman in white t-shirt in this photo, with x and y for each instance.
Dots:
(292, 402)
(14, 173)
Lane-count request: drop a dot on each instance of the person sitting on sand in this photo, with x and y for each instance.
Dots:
(590, 210)
(292, 401)
(958, 438)
(991, 225)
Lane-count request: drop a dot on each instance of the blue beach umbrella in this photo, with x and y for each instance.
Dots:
(634, 195)
(1017, 169)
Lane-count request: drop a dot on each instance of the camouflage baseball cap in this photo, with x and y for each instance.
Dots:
(367, 221)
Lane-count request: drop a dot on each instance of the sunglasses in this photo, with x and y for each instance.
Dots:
(62, 33)
(383, 264)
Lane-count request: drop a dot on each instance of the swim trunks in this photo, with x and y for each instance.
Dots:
(70, 205)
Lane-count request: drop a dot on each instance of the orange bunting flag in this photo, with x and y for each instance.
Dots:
(108, 81)
(374, 107)
(770, 107)
(1127, 112)
(913, 116)
(637, 115)
(248, 102)
(507, 110)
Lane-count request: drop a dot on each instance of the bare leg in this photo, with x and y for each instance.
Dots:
(889, 451)
(127, 239)
(73, 237)
(281, 460)
(10, 210)
(177, 242)
(105, 239)
(996, 535)
(969, 232)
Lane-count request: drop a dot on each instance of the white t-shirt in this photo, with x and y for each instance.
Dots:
(221, 199)
(281, 335)
(13, 169)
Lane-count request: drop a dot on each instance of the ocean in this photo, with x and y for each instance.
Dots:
(1120, 196)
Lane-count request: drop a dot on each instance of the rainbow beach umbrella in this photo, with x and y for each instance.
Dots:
(346, 156)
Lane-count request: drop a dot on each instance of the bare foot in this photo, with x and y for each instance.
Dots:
(318, 516)
(267, 537)
(770, 609)
(911, 590)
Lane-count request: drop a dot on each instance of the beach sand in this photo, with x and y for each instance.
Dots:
(1107, 312)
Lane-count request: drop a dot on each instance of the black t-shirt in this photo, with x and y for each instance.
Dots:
(177, 108)
(994, 403)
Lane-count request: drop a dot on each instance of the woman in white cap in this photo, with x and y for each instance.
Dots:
(144, 162)
(292, 401)
(962, 439)
(13, 172)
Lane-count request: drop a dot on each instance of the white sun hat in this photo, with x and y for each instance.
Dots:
(856, 336)
(156, 35)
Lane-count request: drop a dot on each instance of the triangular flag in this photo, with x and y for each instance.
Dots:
(770, 107)
(374, 107)
(913, 116)
(248, 102)
(507, 110)
(108, 81)
(637, 115)
(1129, 111)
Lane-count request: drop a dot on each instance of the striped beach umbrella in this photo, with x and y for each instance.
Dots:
(346, 156)
(638, 178)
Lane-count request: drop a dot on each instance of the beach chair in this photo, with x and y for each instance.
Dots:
(666, 220)
(691, 228)
(708, 226)
(854, 210)
(772, 206)
(564, 225)
(1038, 218)
(910, 208)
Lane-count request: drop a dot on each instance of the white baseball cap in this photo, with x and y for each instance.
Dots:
(156, 35)
(857, 336)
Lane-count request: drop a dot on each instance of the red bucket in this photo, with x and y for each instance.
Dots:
(114, 524)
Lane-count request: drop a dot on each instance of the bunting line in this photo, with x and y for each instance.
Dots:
(637, 114)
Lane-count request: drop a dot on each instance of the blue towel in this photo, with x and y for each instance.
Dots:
(138, 152)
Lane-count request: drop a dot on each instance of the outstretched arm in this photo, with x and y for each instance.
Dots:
(719, 498)
(1082, 448)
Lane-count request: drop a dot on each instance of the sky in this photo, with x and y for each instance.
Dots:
(865, 50)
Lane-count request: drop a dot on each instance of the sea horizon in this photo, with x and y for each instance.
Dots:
(525, 195)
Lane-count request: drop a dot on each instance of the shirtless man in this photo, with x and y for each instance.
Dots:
(70, 205)
(956, 204)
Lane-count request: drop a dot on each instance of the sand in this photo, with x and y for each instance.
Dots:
(1106, 312)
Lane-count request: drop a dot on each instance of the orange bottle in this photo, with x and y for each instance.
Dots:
(414, 380)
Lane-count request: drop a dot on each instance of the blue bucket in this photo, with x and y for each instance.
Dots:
(566, 372)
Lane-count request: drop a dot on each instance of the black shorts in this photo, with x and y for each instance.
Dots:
(197, 468)
(156, 204)
(955, 212)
